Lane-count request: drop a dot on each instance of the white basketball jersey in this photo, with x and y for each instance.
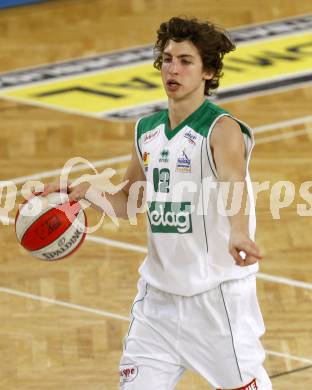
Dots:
(188, 230)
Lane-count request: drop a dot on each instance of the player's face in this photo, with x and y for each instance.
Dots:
(182, 70)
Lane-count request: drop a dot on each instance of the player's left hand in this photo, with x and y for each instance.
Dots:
(243, 249)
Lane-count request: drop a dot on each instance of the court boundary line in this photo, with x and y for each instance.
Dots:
(115, 316)
(122, 158)
(280, 124)
(287, 356)
(118, 317)
(69, 305)
(143, 249)
(19, 192)
(77, 168)
(291, 371)
(288, 135)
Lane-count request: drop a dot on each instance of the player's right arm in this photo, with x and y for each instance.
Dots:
(98, 198)
(133, 175)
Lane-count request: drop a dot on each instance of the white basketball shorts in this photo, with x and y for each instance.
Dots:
(215, 334)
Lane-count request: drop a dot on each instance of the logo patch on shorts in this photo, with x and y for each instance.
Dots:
(128, 373)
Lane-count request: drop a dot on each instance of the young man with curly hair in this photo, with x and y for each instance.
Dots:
(196, 306)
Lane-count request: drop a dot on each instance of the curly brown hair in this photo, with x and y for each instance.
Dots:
(211, 41)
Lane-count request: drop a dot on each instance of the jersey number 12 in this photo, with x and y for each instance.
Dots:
(161, 179)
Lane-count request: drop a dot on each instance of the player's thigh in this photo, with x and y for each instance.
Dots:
(225, 325)
(144, 376)
(246, 327)
(149, 359)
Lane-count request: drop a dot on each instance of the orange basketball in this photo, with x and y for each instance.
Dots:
(50, 229)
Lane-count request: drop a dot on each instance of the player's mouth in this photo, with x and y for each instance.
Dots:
(172, 85)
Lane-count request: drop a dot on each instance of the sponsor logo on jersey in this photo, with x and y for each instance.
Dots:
(150, 135)
(170, 217)
(164, 156)
(128, 373)
(191, 137)
(184, 163)
(145, 160)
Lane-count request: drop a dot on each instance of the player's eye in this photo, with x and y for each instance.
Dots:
(186, 62)
(166, 59)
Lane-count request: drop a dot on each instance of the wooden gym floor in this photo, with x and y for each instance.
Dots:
(49, 336)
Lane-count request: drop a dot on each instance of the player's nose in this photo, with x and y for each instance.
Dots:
(174, 67)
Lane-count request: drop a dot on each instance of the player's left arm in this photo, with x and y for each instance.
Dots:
(229, 153)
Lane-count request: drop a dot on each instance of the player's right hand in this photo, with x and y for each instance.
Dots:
(78, 192)
(54, 187)
(244, 251)
(75, 193)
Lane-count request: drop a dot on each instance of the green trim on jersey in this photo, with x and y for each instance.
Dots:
(148, 123)
(200, 121)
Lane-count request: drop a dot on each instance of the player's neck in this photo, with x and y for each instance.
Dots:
(179, 110)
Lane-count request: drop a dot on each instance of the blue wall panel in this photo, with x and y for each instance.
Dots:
(12, 3)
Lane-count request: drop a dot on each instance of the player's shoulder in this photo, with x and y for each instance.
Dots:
(204, 118)
(150, 122)
(223, 116)
(220, 117)
(226, 129)
(214, 108)
(228, 122)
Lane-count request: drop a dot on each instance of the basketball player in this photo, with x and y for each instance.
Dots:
(196, 306)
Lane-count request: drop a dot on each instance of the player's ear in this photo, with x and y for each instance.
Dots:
(208, 74)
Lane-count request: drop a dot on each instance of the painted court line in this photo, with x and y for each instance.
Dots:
(62, 303)
(77, 168)
(291, 134)
(117, 244)
(18, 193)
(281, 124)
(258, 141)
(97, 239)
(7, 220)
(291, 357)
(143, 249)
(114, 160)
(107, 314)
(282, 280)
